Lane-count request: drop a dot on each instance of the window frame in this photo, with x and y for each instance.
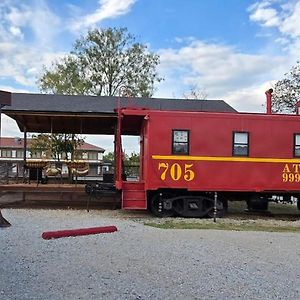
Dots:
(36, 154)
(188, 142)
(294, 146)
(236, 144)
(92, 155)
(19, 153)
(6, 151)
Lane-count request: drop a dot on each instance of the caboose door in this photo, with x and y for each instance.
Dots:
(134, 123)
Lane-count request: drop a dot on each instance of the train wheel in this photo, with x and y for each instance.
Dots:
(157, 207)
(298, 204)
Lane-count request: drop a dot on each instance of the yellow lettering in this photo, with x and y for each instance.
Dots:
(165, 167)
(286, 169)
(189, 174)
(285, 177)
(291, 177)
(175, 172)
(296, 168)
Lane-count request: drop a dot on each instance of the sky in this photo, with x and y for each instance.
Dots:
(232, 50)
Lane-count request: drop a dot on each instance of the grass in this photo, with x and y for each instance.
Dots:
(279, 219)
(224, 226)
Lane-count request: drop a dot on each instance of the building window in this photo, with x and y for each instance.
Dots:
(93, 155)
(19, 154)
(240, 144)
(6, 153)
(180, 141)
(36, 155)
(297, 145)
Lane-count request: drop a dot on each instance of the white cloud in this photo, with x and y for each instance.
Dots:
(37, 18)
(291, 24)
(225, 72)
(107, 9)
(19, 16)
(284, 17)
(219, 69)
(23, 63)
(251, 98)
(16, 31)
(262, 13)
(20, 61)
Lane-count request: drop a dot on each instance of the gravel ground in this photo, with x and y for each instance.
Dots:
(140, 262)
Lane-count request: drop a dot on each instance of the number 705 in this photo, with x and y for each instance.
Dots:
(176, 172)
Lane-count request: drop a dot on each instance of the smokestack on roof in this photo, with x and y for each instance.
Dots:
(269, 101)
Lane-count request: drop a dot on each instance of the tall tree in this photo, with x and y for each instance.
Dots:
(105, 62)
(287, 91)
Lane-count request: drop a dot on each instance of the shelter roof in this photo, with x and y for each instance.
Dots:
(87, 114)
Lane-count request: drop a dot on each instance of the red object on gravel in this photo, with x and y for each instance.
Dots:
(76, 232)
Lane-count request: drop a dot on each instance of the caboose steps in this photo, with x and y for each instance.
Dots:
(133, 195)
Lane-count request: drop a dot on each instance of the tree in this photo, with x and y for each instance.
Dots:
(109, 157)
(131, 163)
(55, 145)
(195, 93)
(41, 143)
(106, 62)
(287, 91)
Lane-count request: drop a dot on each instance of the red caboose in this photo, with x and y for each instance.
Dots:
(188, 156)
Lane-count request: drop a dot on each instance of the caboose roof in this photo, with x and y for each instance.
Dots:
(87, 114)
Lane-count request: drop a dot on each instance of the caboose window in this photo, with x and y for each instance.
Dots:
(297, 145)
(240, 144)
(180, 141)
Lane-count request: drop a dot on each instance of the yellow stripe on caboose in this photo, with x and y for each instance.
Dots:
(226, 159)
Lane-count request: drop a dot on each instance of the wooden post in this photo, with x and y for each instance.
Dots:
(24, 153)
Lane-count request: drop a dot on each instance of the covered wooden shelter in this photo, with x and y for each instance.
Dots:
(46, 113)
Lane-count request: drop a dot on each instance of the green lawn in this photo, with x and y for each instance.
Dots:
(279, 218)
(224, 226)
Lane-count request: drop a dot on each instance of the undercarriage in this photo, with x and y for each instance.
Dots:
(168, 204)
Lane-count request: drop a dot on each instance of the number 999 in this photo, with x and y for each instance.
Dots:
(290, 177)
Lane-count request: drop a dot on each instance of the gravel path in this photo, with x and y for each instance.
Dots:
(140, 262)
